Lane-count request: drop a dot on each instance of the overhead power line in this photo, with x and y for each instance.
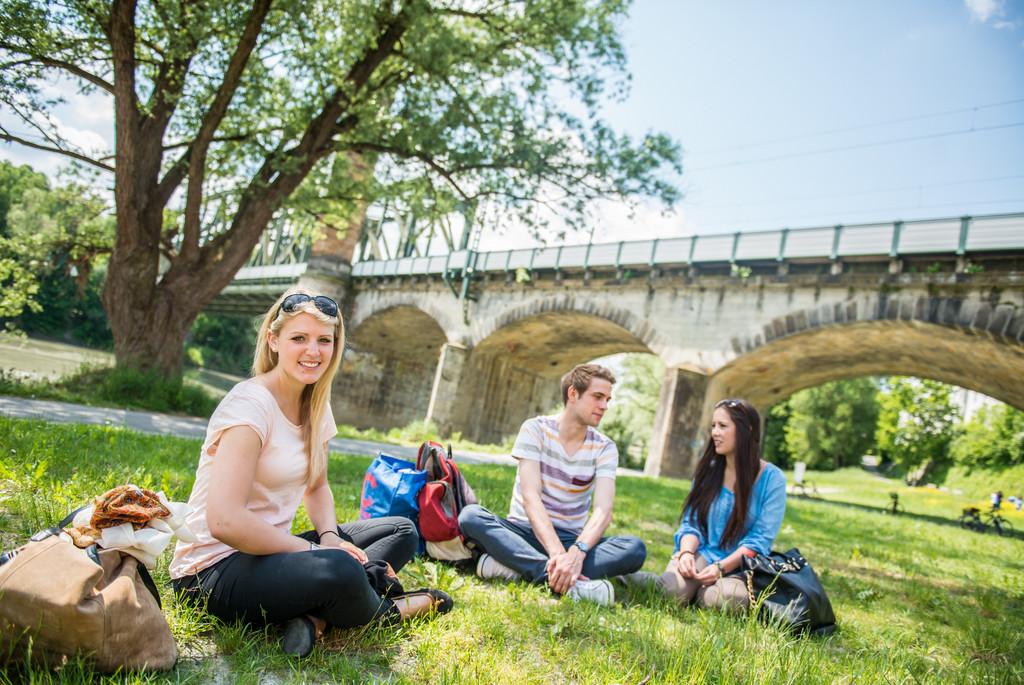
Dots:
(835, 216)
(860, 193)
(862, 127)
(858, 146)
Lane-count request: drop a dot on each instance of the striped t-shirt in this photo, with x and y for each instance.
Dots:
(567, 483)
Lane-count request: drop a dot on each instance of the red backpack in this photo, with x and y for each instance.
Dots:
(441, 500)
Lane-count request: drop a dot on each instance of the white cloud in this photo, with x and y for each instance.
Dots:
(983, 10)
(1007, 25)
(612, 222)
(86, 121)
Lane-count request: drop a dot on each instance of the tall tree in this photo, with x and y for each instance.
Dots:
(44, 233)
(230, 113)
(630, 419)
(916, 423)
(992, 438)
(833, 425)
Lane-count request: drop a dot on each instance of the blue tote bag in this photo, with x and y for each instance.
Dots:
(390, 488)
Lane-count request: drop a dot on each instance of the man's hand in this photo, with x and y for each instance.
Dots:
(709, 575)
(564, 569)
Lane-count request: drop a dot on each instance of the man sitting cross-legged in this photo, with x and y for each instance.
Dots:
(564, 463)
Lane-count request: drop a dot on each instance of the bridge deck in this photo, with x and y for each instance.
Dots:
(953, 236)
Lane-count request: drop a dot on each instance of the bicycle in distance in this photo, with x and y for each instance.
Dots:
(974, 519)
(894, 507)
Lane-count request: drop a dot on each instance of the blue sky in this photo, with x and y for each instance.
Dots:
(833, 84)
(788, 112)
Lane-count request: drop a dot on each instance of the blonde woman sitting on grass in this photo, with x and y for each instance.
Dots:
(265, 451)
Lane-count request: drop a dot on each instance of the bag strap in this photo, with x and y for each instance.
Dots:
(71, 517)
(147, 580)
(750, 589)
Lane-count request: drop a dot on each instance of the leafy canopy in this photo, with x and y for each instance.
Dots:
(917, 422)
(46, 231)
(449, 102)
(992, 438)
(832, 425)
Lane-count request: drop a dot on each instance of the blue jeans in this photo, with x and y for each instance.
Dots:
(515, 546)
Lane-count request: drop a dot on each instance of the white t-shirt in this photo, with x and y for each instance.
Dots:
(279, 481)
(567, 483)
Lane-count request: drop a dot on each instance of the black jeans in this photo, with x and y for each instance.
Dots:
(326, 583)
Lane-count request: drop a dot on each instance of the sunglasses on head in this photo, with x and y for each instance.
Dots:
(321, 302)
(731, 404)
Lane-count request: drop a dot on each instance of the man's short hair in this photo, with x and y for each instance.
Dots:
(580, 378)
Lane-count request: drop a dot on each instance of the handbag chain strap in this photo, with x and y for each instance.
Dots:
(750, 589)
(789, 565)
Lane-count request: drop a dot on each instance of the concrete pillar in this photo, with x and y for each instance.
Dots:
(484, 397)
(676, 441)
(449, 402)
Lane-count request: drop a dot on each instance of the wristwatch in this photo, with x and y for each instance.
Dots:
(581, 546)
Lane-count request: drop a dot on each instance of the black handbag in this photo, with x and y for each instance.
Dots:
(789, 592)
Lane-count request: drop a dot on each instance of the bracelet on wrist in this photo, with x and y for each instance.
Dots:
(327, 532)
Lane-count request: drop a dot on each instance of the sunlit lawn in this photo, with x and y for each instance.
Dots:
(917, 598)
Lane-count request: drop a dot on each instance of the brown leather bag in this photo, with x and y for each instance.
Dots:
(57, 600)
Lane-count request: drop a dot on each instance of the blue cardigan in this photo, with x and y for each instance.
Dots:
(764, 518)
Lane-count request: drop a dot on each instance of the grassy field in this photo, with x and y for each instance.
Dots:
(917, 598)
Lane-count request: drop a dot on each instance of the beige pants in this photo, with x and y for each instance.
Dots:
(728, 593)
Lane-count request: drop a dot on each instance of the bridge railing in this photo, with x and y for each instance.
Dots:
(955, 236)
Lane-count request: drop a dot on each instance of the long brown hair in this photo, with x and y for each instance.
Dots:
(710, 473)
(316, 398)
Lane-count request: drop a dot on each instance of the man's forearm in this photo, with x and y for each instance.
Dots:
(595, 527)
(542, 527)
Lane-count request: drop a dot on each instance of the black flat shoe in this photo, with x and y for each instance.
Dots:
(298, 637)
(440, 602)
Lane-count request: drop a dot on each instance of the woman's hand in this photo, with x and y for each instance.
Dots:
(332, 539)
(709, 575)
(357, 553)
(686, 565)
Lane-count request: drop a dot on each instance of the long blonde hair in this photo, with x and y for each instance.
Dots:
(315, 400)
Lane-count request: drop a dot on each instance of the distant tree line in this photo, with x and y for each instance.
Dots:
(55, 240)
(912, 424)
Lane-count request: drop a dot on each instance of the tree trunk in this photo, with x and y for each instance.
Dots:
(149, 336)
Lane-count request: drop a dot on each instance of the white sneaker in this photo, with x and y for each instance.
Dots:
(642, 579)
(596, 591)
(489, 568)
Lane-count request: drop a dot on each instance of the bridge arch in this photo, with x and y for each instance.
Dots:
(389, 366)
(519, 356)
(971, 343)
(976, 344)
(621, 322)
(374, 303)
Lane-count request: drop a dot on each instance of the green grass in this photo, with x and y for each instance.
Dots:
(917, 599)
(102, 386)
(416, 432)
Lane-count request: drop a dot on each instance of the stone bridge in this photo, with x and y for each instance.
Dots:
(480, 347)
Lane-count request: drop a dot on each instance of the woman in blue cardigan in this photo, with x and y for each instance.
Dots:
(734, 509)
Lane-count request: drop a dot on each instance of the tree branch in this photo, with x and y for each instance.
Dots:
(270, 186)
(212, 120)
(448, 175)
(4, 135)
(33, 57)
